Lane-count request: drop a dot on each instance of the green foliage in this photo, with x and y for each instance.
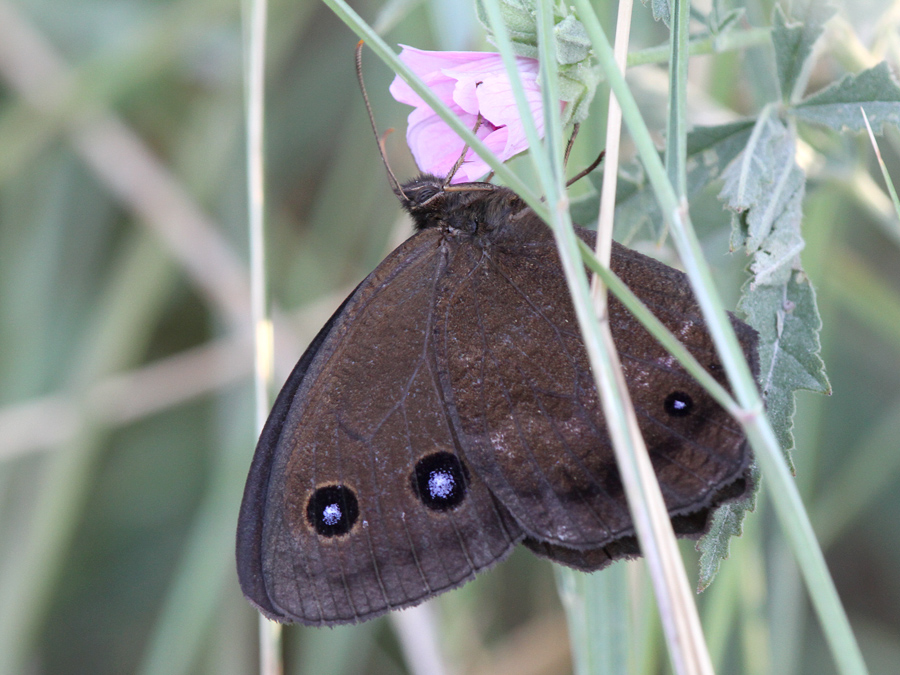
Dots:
(788, 321)
(727, 522)
(709, 151)
(661, 10)
(572, 42)
(756, 182)
(794, 43)
(721, 19)
(838, 106)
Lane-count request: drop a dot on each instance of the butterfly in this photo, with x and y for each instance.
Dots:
(447, 412)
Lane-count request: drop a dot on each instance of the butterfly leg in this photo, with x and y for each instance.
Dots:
(571, 142)
(465, 150)
(586, 171)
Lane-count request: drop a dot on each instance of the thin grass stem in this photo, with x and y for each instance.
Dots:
(255, 14)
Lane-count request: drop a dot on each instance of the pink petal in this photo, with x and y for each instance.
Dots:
(497, 104)
(470, 75)
(497, 141)
(424, 61)
(471, 170)
(474, 168)
(490, 63)
(436, 148)
(469, 83)
(429, 66)
(432, 143)
(441, 85)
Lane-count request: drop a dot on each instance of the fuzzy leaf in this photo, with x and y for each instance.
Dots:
(661, 10)
(788, 322)
(635, 202)
(520, 20)
(702, 139)
(765, 187)
(577, 86)
(756, 181)
(518, 16)
(779, 220)
(636, 205)
(715, 147)
(837, 106)
(727, 522)
(765, 184)
(572, 42)
(794, 43)
(709, 151)
(721, 20)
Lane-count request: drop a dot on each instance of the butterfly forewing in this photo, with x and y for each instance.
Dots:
(368, 506)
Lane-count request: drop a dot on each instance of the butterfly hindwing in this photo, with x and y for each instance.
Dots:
(521, 393)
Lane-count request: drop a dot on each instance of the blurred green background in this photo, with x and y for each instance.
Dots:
(126, 415)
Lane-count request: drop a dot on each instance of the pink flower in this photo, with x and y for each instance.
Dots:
(469, 83)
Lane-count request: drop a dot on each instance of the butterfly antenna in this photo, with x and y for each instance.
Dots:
(383, 139)
(395, 184)
(585, 172)
(462, 156)
(575, 129)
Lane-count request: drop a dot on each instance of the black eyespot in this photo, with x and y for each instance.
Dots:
(332, 510)
(440, 480)
(678, 404)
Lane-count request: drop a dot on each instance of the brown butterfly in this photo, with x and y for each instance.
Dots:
(447, 412)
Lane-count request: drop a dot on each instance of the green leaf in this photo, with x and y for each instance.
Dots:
(572, 42)
(635, 202)
(661, 10)
(758, 180)
(636, 205)
(794, 43)
(779, 221)
(520, 19)
(788, 322)
(577, 85)
(837, 106)
(721, 20)
(709, 151)
(701, 139)
(765, 188)
(518, 16)
(715, 147)
(727, 522)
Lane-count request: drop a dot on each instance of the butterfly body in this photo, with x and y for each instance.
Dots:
(447, 412)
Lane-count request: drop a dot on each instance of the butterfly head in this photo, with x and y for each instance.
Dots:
(475, 209)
